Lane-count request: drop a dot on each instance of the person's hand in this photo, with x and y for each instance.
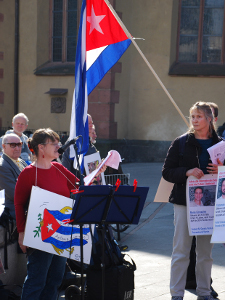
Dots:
(195, 172)
(20, 241)
(213, 168)
(102, 170)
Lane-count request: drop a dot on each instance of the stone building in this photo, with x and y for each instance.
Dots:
(182, 39)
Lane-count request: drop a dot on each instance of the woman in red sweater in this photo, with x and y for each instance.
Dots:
(44, 270)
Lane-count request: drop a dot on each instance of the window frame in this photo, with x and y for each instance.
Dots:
(57, 68)
(199, 68)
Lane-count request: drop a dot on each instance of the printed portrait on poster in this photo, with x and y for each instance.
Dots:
(221, 190)
(202, 195)
(91, 162)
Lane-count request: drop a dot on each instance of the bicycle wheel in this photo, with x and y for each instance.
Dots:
(120, 228)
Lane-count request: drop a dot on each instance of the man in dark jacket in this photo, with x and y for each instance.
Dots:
(10, 167)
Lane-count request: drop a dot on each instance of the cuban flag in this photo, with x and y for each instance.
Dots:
(101, 43)
(61, 235)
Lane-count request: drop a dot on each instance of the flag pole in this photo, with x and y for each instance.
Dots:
(146, 61)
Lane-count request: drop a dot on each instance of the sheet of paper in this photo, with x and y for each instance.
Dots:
(218, 235)
(217, 151)
(200, 195)
(163, 191)
(112, 160)
(2, 201)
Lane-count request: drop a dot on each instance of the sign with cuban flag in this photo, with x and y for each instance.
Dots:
(47, 229)
(101, 43)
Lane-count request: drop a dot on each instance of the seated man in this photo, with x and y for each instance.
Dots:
(19, 125)
(10, 167)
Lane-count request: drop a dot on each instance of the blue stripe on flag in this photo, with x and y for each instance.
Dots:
(80, 85)
(105, 61)
(64, 245)
(67, 230)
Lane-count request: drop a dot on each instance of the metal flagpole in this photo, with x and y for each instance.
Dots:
(146, 61)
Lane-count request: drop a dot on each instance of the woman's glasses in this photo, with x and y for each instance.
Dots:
(55, 144)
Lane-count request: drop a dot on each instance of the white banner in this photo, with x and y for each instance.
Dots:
(47, 230)
(219, 215)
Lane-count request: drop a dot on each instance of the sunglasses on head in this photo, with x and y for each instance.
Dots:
(13, 145)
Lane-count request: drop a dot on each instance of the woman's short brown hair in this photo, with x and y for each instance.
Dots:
(41, 136)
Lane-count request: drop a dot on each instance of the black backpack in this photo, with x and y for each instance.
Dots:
(112, 254)
(6, 294)
(6, 221)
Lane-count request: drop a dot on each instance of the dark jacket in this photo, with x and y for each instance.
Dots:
(67, 162)
(175, 166)
(9, 173)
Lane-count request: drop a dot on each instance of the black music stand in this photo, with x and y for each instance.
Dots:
(104, 205)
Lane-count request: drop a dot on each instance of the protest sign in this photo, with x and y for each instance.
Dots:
(218, 235)
(112, 160)
(91, 163)
(164, 190)
(47, 230)
(2, 201)
(200, 195)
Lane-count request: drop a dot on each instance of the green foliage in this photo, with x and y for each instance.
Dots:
(38, 228)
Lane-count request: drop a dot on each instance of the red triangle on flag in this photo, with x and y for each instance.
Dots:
(50, 225)
(102, 27)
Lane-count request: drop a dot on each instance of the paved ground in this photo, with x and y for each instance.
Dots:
(150, 242)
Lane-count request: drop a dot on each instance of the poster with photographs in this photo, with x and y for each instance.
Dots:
(91, 163)
(200, 194)
(219, 214)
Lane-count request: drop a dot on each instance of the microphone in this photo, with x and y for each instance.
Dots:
(62, 149)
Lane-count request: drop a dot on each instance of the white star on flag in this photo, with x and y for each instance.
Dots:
(49, 227)
(94, 21)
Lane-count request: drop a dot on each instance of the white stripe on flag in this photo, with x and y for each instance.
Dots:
(92, 55)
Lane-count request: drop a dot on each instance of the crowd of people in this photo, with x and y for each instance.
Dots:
(27, 162)
(34, 161)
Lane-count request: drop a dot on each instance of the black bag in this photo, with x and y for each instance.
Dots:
(119, 282)
(6, 294)
(10, 234)
(112, 254)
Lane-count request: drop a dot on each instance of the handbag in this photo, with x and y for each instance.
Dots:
(6, 220)
(119, 282)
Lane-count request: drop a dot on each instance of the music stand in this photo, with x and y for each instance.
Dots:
(103, 205)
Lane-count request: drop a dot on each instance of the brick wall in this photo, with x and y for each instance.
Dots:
(102, 102)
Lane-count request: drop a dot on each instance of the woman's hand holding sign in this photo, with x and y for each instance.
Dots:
(213, 168)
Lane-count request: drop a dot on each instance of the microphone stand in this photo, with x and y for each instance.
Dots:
(81, 228)
(78, 164)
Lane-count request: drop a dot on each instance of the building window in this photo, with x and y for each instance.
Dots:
(64, 30)
(200, 38)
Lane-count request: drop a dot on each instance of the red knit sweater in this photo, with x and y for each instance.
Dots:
(49, 179)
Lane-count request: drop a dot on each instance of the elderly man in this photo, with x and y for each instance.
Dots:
(10, 167)
(68, 162)
(19, 125)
